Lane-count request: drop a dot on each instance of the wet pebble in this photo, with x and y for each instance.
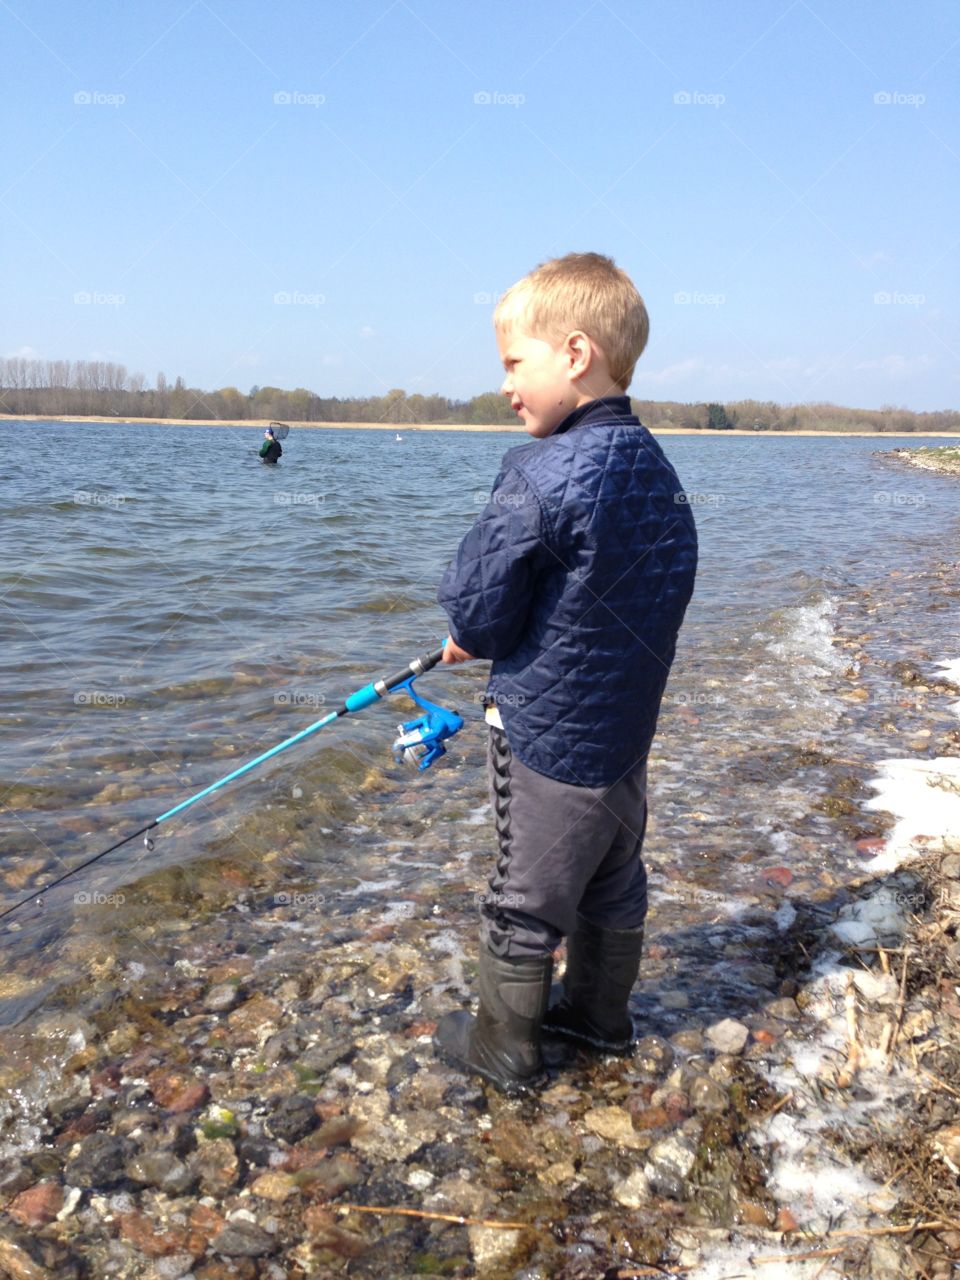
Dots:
(786, 1009)
(688, 1041)
(175, 1267)
(216, 1164)
(222, 998)
(163, 1170)
(38, 1205)
(177, 1092)
(614, 1124)
(100, 1162)
(293, 1118)
(653, 1055)
(706, 1095)
(632, 1191)
(728, 1036)
(14, 1177)
(274, 1186)
(243, 1239)
(668, 1164)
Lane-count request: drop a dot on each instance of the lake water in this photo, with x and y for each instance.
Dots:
(169, 608)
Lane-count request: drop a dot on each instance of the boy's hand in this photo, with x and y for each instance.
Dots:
(453, 653)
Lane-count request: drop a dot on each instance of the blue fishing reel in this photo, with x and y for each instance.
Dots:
(420, 741)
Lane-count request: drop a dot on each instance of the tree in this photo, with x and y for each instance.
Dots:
(717, 419)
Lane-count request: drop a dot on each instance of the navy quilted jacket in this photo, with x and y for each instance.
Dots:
(574, 581)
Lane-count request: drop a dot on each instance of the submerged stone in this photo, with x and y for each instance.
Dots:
(728, 1036)
(242, 1239)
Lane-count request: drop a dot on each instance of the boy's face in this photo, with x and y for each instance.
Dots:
(538, 381)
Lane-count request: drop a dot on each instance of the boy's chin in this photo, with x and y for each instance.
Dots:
(539, 429)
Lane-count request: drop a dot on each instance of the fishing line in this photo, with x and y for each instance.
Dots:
(419, 742)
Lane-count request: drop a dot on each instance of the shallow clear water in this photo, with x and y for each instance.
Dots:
(169, 608)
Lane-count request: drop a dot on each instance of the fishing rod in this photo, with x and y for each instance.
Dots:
(419, 742)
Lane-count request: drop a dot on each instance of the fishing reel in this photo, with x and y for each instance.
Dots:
(420, 741)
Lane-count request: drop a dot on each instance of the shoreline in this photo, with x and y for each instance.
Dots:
(502, 428)
(945, 461)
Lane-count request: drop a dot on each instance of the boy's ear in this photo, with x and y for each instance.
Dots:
(579, 352)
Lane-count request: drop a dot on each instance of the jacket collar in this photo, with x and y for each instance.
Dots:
(608, 409)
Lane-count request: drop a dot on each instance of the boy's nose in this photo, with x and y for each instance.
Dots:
(506, 387)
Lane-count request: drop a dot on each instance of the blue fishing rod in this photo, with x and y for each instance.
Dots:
(419, 742)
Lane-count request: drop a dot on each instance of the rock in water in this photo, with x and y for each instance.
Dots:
(100, 1162)
(667, 1166)
(632, 1191)
(293, 1119)
(162, 1169)
(728, 1036)
(242, 1239)
(707, 1095)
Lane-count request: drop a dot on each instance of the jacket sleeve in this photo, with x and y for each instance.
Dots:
(488, 588)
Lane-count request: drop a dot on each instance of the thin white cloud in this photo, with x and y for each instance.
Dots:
(896, 365)
(876, 259)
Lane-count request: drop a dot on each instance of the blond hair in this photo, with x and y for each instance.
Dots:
(584, 291)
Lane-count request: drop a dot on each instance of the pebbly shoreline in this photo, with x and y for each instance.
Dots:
(945, 459)
(239, 1082)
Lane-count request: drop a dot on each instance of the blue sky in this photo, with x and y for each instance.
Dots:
(331, 195)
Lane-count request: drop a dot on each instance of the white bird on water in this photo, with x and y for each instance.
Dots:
(399, 438)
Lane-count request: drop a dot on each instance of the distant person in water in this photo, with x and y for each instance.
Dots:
(270, 450)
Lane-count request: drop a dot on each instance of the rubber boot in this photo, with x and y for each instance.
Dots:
(602, 966)
(502, 1043)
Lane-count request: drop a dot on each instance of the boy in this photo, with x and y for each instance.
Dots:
(574, 581)
(270, 450)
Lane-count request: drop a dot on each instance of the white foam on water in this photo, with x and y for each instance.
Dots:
(805, 640)
(369, 886)
(785, 916)
(814, 1182)
(924, 796)
(740, 1259)
(951, 671)
(402, 910)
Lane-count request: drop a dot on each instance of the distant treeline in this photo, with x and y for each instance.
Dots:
(82, 388)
